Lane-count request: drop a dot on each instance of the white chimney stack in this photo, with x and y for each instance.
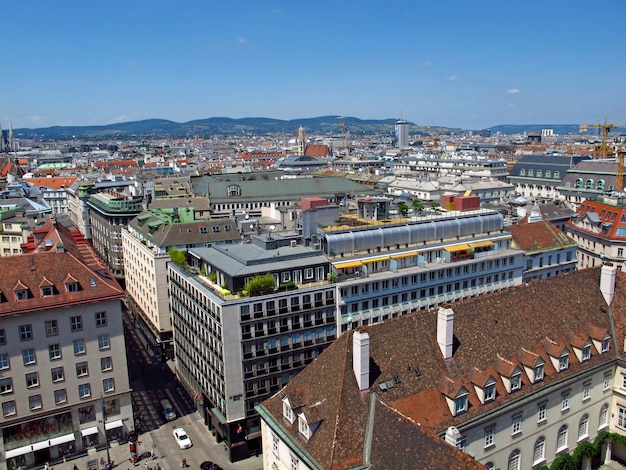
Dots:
(361, 358)
(445, 330)
(607, 282)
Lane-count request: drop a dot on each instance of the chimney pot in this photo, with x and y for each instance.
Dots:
(445, 330)
(361, 358)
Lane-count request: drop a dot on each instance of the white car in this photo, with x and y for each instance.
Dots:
(182, 439)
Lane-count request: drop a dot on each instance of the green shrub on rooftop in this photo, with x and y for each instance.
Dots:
(178, 256)
(260, 283)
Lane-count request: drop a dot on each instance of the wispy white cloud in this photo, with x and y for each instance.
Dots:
(513, 91)
(453, 78)
(241, 40)
(121, 118)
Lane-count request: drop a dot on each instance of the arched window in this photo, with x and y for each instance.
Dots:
(589, 184)
(530, 172)
(561, 440)
(522, 172)
(579, 183)
(514, 460)
(557, 174)
(539, 173)
(604, 414)
(548, 174)
(490, 465)
(583, 426)
(600, 185)
(539, 454)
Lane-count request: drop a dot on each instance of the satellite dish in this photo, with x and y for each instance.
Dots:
(272, 227)
(251, 226)
(246, 216)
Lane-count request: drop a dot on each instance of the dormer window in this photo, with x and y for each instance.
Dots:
(490, 391)
(586, 354)
(605, 345)
(21, 294)
(516, 380)
(303, 426)
(47, 291)
(71, 287)
(563, 362)
(287, 411)
(460, 403)
(538, 372)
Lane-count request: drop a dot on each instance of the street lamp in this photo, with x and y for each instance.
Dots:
(106, 435)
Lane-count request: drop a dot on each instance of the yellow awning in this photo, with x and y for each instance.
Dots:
(374, 260)
(349, 264)
(404, 255)
(456, 248)
(481, 244)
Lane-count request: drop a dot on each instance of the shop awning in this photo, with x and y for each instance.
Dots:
(218, 415)
(41, 445)
(404, 255)
(481, 244)
(114, 424)
(375, 260)
(456, 248)
(350, 264)
(19, 451)
(89, 431)
(55, 441)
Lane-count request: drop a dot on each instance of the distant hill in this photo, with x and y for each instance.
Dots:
(330, 125)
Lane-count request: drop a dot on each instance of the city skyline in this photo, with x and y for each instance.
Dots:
(457, 64)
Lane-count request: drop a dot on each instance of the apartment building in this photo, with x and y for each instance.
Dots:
(599, 228)
(547, 251)
(146, 244)
(472, 374)
(64, 386)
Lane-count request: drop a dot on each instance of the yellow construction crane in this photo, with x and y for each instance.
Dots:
(605, 149)
(343, 133)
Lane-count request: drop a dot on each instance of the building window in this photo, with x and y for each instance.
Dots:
(516, 426)
(490, 392)
(603, 418)
(21, 294)
(26, 333)
(34, 402)
(3, 339)
(275, 445)
(563, 362)
(539, 452)
(583, 425)
(4, 361)
(54, 352)
(516, 381)
(108, 385)
(514, 460)
(460, 404)
(586, 391)
(101, 319)
(538, 373)
(71, 287)
(606, 384)
(28, 355)
(565, 401)
(541, 414)
(47, 291)
(605, 345)
(76, 323)
(490, 435)
(586, 353)
(52, 328)
(8, 408)
(6, 386)
(81, 369)
(79, 347)
(84, 390)
(60, 396)
(561, 440)
(57, 374)
(621, 417)
(287, 412)
(32, 380)
(106, 363)
(103, 342)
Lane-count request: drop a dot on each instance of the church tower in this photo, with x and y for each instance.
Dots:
(301, 140)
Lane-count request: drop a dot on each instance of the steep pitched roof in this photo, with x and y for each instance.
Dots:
(540, 236)
(490, 331)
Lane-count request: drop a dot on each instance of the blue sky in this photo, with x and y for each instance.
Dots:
(465, 63)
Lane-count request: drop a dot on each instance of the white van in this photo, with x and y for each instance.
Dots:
(168, 410)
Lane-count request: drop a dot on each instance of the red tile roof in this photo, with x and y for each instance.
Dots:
(54, 182)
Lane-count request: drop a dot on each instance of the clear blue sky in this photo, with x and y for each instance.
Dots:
(464, 63)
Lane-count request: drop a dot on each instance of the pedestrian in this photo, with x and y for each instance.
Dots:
(45, 467)
(75, 467)
(152, 453)
(184, 463)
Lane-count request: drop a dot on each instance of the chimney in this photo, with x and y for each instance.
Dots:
(361, 358)
(445, 330)
(607, 282)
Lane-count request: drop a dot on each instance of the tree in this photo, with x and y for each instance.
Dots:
(418, 206)
(435, 206)
(178, 256)
(403, 208)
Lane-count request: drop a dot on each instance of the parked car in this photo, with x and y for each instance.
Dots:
(209, 466)
(182, 439)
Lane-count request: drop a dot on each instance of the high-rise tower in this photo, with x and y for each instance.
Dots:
(402, 134)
